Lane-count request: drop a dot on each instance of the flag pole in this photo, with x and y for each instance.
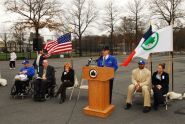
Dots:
(150, 63)
(172, 71)
(151, 66)
(71, 58)
(71, 55)
(172, 60)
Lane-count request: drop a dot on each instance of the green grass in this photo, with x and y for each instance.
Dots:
(6, 56)
(21, 56)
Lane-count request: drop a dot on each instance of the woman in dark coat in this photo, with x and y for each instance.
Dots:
(160, 81)
(67, 79)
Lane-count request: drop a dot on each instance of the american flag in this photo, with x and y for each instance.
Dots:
(61, 45)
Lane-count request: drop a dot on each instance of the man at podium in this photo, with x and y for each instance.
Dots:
(107, 60)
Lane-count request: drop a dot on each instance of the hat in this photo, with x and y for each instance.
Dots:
(25, 62)
(105, 48)
(141, 62)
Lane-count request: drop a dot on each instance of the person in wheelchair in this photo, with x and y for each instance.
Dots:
(160, 81)
(22, 79)
(67, 79)
(44, 81)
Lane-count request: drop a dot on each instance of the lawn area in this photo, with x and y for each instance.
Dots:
(6, 56)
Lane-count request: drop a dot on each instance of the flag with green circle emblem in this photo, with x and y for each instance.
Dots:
(152, 42)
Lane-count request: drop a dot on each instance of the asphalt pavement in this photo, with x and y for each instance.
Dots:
(26, 111)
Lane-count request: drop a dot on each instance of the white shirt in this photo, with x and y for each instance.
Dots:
(13, 56)
(38, 59)
(106, 57)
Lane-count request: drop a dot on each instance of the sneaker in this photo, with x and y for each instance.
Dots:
(11, 68)
(146, 109)
(13, 93)
(61, 101)
(128, 106)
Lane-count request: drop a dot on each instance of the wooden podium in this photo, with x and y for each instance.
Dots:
(98, 92)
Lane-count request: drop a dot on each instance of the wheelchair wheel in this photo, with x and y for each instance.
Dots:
(13, 91)
(31, 89)
(47, 96)
(55, 88)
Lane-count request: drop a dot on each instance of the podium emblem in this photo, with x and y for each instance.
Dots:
(93, 73)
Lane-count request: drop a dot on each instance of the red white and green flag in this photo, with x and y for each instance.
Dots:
(152, 42)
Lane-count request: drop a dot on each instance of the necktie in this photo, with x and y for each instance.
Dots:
(44, 73)
(103, 62)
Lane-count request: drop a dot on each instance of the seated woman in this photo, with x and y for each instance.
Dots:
(160, 81)
(67, 79)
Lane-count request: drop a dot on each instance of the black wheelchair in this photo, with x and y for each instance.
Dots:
(50, 91)
(26, 87)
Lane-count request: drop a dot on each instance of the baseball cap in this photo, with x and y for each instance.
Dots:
(141, 62)
(25, 62)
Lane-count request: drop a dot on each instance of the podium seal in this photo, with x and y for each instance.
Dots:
(93, 73)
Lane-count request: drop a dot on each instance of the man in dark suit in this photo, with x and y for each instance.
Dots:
(46, 79)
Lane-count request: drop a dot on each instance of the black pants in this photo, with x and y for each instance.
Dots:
(20, 86)
(62, 89)
(158, 96)
(39, 88)
(12, 64)
(111, 88)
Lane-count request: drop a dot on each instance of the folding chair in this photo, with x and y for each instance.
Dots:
(166, 101)
(76, 84)
(82, 87)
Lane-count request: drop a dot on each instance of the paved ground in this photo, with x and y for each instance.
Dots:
(17, 111)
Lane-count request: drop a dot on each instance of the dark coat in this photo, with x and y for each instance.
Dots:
(164, 82)
(50, 73)
(68, 76)
(42, 58)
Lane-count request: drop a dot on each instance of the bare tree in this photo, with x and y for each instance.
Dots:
(35, 14)
(81, 15)
(167, 10)
(111, 19)
(18, 33)
(126, 29)
(135, 9)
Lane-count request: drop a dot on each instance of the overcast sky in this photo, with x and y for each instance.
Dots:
(7, 18)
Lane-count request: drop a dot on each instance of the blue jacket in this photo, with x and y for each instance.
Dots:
(30, 71)
(109, 62)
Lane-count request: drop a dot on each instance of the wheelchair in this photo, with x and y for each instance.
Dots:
(50, 91)
(27, 90)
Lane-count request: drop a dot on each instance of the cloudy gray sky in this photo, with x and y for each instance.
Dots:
(6, 18)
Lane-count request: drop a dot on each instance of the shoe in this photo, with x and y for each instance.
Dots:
(146, 109)
(128, 106)
(13, 93)
(62, 101)
(11, 68)
(56, 95)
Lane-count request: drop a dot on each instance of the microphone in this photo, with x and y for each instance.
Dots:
(89, 62)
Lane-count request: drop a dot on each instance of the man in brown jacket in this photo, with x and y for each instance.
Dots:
(141, 82)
